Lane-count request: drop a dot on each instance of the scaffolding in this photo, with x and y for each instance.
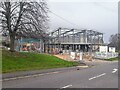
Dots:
(74, 40)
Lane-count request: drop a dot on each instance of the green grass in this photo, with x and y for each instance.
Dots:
(12, 62)
(112, 59)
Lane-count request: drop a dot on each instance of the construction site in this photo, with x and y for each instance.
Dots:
(73, 41)
(69, 44)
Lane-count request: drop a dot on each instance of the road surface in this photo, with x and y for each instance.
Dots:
(104, 75)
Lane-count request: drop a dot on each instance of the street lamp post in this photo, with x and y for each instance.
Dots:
(81, 57)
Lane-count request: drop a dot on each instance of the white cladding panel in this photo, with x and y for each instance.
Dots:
(111, 49)
(103, 49)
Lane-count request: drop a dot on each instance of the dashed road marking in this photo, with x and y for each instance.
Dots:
(13, 78)
(55, 72)
(67, 86)
(97, 76)
(82, 66)
(20, 77)
(34, 75)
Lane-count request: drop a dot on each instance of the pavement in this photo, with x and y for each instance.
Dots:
(103, 75)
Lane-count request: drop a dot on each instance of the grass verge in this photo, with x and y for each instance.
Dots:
(12, 62)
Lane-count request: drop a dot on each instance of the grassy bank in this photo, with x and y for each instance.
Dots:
(23, 61)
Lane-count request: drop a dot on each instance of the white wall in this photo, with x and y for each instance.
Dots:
(103, 49)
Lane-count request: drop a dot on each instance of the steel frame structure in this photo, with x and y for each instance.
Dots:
(76, 39)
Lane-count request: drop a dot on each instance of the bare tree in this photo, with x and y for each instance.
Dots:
(114, 41)
(28, 19)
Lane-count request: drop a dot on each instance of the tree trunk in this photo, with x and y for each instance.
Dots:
(12, 42)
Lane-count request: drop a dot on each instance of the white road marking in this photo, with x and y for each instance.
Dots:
(82, 66)
(34, 75)
(21, 77)
(55, 72)
(7, 79)
(51, 73)
(97, 76)
(13, 78)
(114, 70)
(67, 86)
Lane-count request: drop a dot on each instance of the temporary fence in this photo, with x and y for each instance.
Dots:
(107, 55)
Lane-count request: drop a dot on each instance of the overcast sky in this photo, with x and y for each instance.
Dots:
(99, 15)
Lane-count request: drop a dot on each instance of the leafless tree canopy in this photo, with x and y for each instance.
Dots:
(28, 19)
(115, 41)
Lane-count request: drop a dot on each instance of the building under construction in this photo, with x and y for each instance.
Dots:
(74, 40)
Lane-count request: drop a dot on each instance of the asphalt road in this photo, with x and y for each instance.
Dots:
(104, 75)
